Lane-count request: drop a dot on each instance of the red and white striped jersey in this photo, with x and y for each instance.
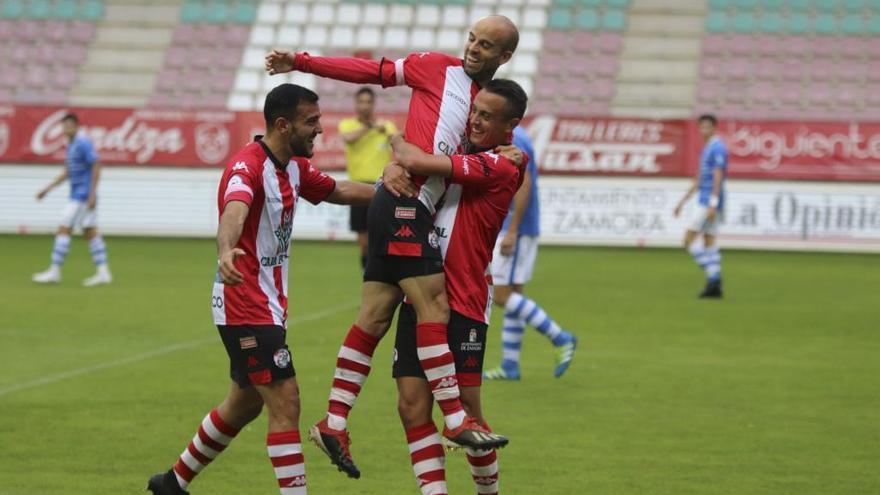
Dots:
(439, 107)
(476, 203)
(272, 191)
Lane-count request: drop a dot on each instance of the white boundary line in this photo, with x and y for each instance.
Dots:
(158, 352)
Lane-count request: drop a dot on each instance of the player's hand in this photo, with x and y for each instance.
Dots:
(677, 211)
(397, 181)
(228, 273)
(508, 243)
(42, 194)
(93, 200)
(279, 62)
(510, 152)
(711, 213)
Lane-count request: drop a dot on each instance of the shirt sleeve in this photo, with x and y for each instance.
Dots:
(89, 153)
(422, 70)
(718, 158)
(481, 170)
(348, 69)
(314, 185)
(240, 184)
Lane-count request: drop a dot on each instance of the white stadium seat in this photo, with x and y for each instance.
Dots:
(269, 13)
(262, 35)
(342, 37)
(396, 38)
(511, 12)
(376, 15)
(524, 63)
(315, 36)
(530, 41)
(534, 18)
(512, 2)
(451, 40)
(428, 15)
(401, 15)
(305, 80)
(323, 14)
(247, 81)
(539, 3)
(454, 16)
(289, 37)
(422, 38)
(349, 14)
(254, 58)
(369, 37)
(527, 85)
(477, 13)
(240, 101)
(296, 13)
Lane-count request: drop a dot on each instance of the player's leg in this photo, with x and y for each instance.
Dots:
(712, 259)
(520, 307)
(98, 249)
(512, 330)
(218, 428)
(61, 246)
(357, 222)
(353, 364)
(414, 406)
(483, 463)
(283, 441)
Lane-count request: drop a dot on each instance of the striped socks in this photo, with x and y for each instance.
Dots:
(98, 250)
(428, 459)
(519, 306)
(511, 339)
(352, 368)
(60, 249)
(285, 452)
(212, 438)
(439, 366)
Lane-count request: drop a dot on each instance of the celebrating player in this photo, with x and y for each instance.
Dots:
(482, 187)
(257, 199)
(367, 151)
(512, 263)
(404, 248)
(83, 170)
(709, 183)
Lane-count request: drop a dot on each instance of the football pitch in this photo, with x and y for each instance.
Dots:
(773, 390)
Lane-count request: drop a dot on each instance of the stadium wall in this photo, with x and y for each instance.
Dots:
(611, 211)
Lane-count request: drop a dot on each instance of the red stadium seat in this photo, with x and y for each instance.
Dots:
(81, 32)
(714, 44)
(742, 44)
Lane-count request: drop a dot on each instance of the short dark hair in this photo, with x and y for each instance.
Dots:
(365, 90)
(512, 92)
(283, 100)
(71, 117)
(709, 118)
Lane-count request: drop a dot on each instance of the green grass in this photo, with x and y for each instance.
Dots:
(774, 390)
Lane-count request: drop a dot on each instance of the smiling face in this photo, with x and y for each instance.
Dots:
(300, 133)
(489, 46)
(490, 120)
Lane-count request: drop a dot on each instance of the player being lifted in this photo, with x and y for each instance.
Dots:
(404, 249)
(482, 185)
(257, 200)
(512, 264)
(709, 186)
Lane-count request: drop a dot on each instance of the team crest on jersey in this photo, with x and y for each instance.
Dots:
(472, 337)
(281, 358)
(282, 233)
(434, 239)
(473, 343)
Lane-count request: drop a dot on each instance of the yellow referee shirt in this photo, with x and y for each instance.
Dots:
(367, 157)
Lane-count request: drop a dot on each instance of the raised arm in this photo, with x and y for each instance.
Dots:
(348, 69)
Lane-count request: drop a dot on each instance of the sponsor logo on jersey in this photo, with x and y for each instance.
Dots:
(473, 343)
(404, 232)
(405, 212)
(457, 98)
(281, 358)
(434, 239)
(248, 342)
(441, 231)
(445, 148)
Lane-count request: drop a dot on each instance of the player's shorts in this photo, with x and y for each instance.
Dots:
(258, 354)
(517, 268)
(357, 218)
(699, 222)
(402, 240)
(77, 214)
(467, 341)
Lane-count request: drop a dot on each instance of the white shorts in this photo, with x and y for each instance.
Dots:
(77, 213)
(699, 222)
(517, 268)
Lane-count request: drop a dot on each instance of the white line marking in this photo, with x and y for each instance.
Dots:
(158, 352)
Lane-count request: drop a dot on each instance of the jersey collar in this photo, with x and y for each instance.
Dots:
(259, 139)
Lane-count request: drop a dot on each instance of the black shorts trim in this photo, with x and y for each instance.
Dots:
(258, 354)
(467, 341)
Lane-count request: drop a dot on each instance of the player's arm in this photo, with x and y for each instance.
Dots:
(351, 193)
(720, 162)
(416, 161)
(687, 195)
(93, 189)
(231, 223)
(520, 203)
(52, 185)
(348, 69)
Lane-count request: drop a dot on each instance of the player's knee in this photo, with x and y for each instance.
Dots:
(90, 233)
(414, 411)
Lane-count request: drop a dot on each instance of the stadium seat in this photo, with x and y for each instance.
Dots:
(296, 13)
(772, 5)
(455, 17)
(614, 20)
(586, 19)
(799, 5)
(427, 15)
(262, 35)
(854, 5)
(268, 13)
(39, 9)
(821, 70)
(795, 46)
(742, 44)
(583, 41)
(525, 64)
(395, 37)
(771, 22)
(533, 18)
(744, 23)
(825, 24)
(13, 9)
(401, 15)
(607, 66)
(65, 10)
(766, 69)
(553, 64)
(424, 39)
(316, 36)
(555, 41)
(852, 24)
(798, 23)
(529, 40)
(342, 36)
(822, 46)
(826, 5)
(792, 70)
(714, 45)
(289, 36)
(560, 19)
(711, 69)
(450, 40)
(323, 14)
(244, 13)
(610, 42)
(717, 22)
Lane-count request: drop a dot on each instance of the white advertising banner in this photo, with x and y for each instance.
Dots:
(574, 210)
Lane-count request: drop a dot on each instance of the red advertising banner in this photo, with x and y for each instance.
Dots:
(823, 151)
(610, 146)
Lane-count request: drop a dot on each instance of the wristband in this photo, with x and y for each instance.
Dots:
(713, 201)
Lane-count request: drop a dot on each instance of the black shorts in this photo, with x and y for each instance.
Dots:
(467, 341)
(403, 242)
(258, 354)
(357, 217)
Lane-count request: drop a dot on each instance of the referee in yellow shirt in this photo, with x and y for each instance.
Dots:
(367, 152)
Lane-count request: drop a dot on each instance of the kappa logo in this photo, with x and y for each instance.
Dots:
(448, 382)
(297, 481)
(239, 166)
(405, 212)
(404, 232)
(485, 480)
(252, 362)
(471, 362)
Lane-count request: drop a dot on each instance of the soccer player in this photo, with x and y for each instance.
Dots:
(257, 199)
(367, 151)
(404, 252)
(512, 263)
(482, 187)
(84, 171)
(709, 186)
